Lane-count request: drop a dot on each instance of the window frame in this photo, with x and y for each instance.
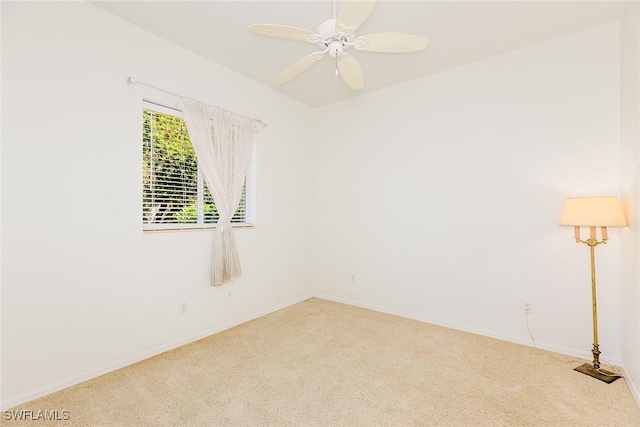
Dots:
(249, 219)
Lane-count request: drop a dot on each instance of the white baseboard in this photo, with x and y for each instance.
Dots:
(80, 378)
(517, 340)
(635, 391)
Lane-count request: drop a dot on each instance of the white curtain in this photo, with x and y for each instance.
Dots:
(223, 144)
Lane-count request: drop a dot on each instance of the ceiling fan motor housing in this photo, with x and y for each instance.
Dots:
(327, 29)
(330, 38)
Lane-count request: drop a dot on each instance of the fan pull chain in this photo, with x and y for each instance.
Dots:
(336, 66)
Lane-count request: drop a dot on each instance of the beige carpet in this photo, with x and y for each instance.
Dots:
(329, 364)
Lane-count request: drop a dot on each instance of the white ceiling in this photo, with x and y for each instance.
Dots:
(458, 32)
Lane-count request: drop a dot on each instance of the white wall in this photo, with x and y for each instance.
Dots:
(83, 289)
(630, 184)
(443, 195)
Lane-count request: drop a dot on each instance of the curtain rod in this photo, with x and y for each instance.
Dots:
(132, 81)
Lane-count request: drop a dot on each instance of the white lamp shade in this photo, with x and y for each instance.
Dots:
(593, 212)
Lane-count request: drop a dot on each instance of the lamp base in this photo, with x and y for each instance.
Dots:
(606, 376)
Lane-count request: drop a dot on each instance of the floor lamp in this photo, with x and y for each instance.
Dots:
(593, 212)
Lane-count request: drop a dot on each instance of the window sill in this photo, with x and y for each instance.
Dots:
(208, 228)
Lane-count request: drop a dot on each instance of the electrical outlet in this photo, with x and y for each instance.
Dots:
(528, 307)
(184, 308)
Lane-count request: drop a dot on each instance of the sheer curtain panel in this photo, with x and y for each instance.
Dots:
(223, 144)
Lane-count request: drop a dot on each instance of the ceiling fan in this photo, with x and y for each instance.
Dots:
(337, 35)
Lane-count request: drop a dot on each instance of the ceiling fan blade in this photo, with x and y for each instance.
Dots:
(350, 71)
(352, 14)
(390, 42)
(299, 67)
(284, 32)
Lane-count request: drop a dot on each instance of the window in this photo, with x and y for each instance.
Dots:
(175, 195)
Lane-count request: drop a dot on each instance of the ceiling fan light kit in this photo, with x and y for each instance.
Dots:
(335, 36)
